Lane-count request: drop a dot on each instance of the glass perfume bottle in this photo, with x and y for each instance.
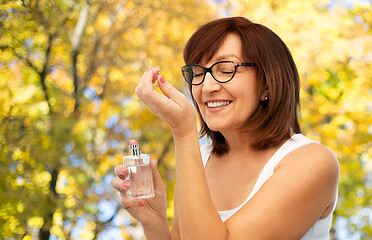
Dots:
(140, 174)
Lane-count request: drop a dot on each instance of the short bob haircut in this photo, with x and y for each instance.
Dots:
(275, 118)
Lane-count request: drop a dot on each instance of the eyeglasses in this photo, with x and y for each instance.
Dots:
(222, 71)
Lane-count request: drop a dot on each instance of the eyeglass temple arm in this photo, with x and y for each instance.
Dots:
(246, 64)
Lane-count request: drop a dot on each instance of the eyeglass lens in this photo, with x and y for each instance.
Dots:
(222, 72)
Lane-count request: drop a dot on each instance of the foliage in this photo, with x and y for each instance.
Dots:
(68, 70)
(68, 109)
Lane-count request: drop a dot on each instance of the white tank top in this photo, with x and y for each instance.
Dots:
(320, 230)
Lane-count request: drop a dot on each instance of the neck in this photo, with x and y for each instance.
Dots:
(238, 141)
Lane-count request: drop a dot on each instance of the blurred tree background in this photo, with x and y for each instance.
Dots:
(68, 70)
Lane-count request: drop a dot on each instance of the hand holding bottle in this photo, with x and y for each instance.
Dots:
(140, 179)
(149, 211)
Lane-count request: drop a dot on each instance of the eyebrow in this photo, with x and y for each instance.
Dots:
(222, 57)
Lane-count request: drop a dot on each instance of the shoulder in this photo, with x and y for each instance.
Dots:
(313, 155)
(302, 190)
(316, 162)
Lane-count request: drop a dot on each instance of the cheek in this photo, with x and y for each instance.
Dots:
(195, 93)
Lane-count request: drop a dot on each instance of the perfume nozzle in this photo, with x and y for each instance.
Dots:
(135, 150)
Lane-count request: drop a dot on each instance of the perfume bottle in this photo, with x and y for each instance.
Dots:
(140, 174)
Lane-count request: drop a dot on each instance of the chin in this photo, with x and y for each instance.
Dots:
(217, 128)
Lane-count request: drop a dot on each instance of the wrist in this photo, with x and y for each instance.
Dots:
(185, 125)
(185, 132)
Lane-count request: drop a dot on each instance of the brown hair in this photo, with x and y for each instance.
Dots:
(277, 74)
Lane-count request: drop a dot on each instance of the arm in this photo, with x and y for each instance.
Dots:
(301, 191)
(286, 206)
(191, 192)
(175, 231)
(198, 218)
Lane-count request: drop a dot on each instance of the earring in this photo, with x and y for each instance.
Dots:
(266, 98)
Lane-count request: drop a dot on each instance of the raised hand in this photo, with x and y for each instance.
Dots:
(173, 107)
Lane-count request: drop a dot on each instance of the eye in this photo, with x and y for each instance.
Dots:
(225, 68)
(228, 72)
(198, 72)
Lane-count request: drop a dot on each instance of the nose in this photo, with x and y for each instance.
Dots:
(210, 85)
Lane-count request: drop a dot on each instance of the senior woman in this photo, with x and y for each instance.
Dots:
(258, 177)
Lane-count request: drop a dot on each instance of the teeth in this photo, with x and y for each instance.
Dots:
(218, 104)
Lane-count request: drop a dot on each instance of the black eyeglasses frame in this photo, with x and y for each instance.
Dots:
(206, 70)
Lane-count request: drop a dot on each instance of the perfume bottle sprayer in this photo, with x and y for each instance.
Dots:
(140, 174)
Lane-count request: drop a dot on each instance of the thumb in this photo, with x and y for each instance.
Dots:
(169, 90)
(158, 182)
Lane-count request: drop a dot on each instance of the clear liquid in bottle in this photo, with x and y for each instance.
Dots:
(140, 175)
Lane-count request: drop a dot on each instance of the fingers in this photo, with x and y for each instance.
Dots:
(147, 80)
(120, 185)
(132, 142)
(158, 182)
(169, 90)
(145, 91)
(127, 203)
(156, 71)
(121, 171)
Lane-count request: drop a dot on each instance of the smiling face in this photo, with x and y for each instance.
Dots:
(227, 106)
(275, 76)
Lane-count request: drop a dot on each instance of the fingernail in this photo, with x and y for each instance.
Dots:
(126, 184)
(157, 67)
(162, 79)
(124, 170)
(142, 203)
(149, 68)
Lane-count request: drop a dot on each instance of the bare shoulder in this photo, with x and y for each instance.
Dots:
(316, 159)
(315, 168)
(314, 155)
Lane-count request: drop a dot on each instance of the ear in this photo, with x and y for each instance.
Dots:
(264, 95)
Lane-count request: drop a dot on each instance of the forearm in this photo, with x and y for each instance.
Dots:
(158, 231)
(198, 218)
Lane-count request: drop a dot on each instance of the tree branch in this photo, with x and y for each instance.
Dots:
(20, 57)
(101, 225)
(75, 42)
(44, 72)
